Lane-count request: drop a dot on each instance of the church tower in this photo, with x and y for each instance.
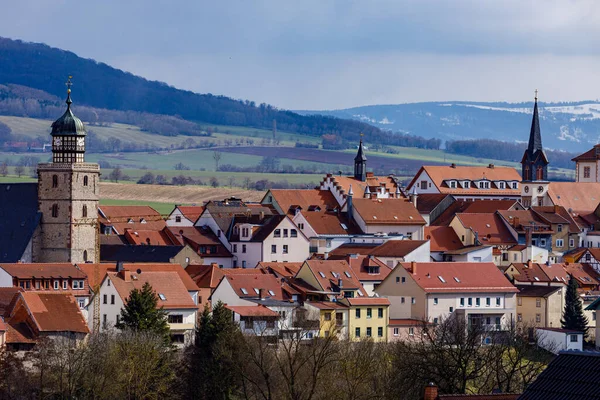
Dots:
(68, 192)
(360, 163)
(534, 166)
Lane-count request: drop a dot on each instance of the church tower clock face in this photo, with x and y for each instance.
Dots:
(526, 189)
(540, 189)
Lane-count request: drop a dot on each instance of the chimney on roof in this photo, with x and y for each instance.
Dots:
(120, 266)
(260, 294)
(262, 215)
(340, 283)
(125, 274)
(413, 267)
(516, 221)
(529, 264)
(528, 237)
(476, 242)
(431, 392)
(453, 165)
(491, 166)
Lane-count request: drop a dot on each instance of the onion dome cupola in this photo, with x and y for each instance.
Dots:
(535, 163)
(360, 163)
(68, 135)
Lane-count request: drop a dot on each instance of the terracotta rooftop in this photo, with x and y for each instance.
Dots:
(327, 305)
(397, 248)
(367, 301)
(521, 219)
(442, 238)
(387, 212)
(280, 269)
(449, 277)
(303, 198)
(192, 213)
(198, 238)
(364, 268)
(359, 187)
(529, 272)
(580, 197)
(43, 270)
(209, 276)
(439, 174)
(54, 312)
(427, 202)
(7, 296)
(489, 227)
(590, 155)
(328, 272)
(250, 286)
(330, 223)
(148, 237)
(166, 283)
(253, 311)
(133, 217)
(555, 272)
(584, 273)
(340, 252)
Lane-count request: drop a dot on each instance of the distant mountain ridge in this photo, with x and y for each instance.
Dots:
(571, 126)
(98, 85)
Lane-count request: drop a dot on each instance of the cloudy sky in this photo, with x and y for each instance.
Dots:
(328, 54)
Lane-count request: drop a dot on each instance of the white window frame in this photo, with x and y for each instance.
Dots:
(56, 284)
(65, 284)
(560, 242)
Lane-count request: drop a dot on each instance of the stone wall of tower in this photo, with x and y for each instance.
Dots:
(69, 236)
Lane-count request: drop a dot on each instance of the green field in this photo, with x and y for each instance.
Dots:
(162, 208)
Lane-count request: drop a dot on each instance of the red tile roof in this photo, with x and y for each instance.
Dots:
(397, 248)
(247, 285)
(133, 217)
(330, 223)
(280, 269)
(427, 202)
(43, 270)
(19, 332)
(209, 276)
(590, 155)
(148, 237)
(253, 311)
(584, 274)
(459, 277)
(7, 296)
(360, 266)
(367, 301)
(191, 212)
(167, 283)
(359, 187)
(442, 238)
(521, 219)
(489, 206)
(489, 227)
(555, 272)
(327, 305)
(531, 272)
(303, 198)
(327, 273)
(580, 197)
(439, 174)
(198, 238)
(54, 312)
(388, 212)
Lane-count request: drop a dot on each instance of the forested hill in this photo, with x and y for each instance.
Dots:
(99, 85)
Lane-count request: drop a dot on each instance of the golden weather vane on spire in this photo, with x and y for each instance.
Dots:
(69, 84)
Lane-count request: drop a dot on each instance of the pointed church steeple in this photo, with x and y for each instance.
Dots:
(360, 163)
(535, 135)
(534, 163)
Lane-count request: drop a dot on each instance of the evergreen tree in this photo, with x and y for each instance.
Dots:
(573, 317)
(211, 360)
(141, 313)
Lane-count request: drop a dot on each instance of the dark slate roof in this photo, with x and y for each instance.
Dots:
(572, 375)
(360, 154)
(68, 123)
(128, 253)
(535, 135)
(536, 290)
(19, 217)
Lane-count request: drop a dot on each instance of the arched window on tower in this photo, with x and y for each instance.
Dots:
(54, 181)
(85, 180)
(84, 211)
(527, 176)
(85, 256)
(54, 210)
(539, 174)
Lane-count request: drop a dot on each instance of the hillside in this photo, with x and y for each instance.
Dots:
(572, 127)
(42, 68)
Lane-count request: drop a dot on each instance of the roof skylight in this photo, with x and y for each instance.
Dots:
(162, 297)
(441, 279)
(244, 290)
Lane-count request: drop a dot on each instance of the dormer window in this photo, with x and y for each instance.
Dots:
(466, 184)
(453, 184)
(515, 185)
(501, 185)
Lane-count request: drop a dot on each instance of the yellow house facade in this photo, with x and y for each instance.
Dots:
(540, 306)
(368, 318)
(332, 317)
